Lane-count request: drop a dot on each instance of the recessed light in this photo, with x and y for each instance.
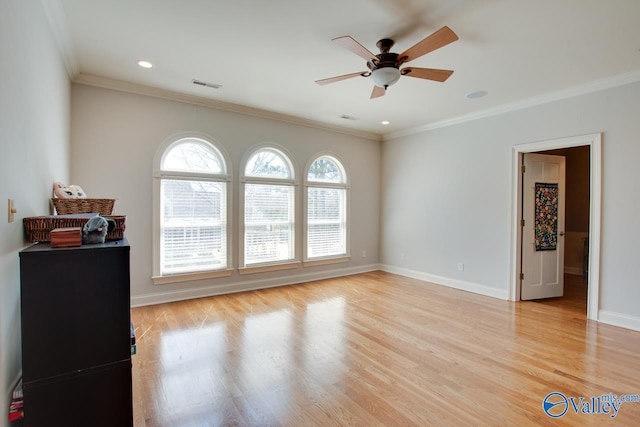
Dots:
(476, 94)
(385, 122)
(145, 64)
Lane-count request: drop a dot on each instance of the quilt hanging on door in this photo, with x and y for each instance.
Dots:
(546, 217)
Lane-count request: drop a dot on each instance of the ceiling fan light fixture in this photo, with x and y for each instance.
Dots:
(384, 77)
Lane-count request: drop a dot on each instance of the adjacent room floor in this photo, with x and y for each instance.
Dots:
(378, 349)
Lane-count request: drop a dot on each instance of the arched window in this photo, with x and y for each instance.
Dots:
(269, 208)
(326, 209)
(191, 221)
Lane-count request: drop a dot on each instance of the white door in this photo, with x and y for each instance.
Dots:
(543, 197)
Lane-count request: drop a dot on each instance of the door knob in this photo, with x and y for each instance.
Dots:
(561, 233)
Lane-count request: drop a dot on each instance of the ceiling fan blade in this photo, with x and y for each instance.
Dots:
(427, 73)
(440, 38)
(350, 44)
(377, 92)
(339, 78)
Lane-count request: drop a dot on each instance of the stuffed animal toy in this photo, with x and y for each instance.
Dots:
(68, 191)
(95, 230)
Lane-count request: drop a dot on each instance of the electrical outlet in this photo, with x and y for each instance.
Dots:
(460, 266)
(402, 256)
(364, 254)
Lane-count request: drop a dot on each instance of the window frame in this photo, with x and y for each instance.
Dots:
(158, 175)
(244, 179)
(345, 185)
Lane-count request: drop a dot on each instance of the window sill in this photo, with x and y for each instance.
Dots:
(326, 261)
(269, 267)
(188, 277)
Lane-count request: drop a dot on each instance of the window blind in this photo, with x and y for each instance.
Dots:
(269, 223)
(326, 222)
(193, 226)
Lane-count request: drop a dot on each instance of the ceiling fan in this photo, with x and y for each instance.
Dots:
(384, 68)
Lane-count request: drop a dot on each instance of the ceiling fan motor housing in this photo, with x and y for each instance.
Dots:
(383, 60)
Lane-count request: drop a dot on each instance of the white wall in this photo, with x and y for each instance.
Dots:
(34, 135)
(446, 196)
(115, 135)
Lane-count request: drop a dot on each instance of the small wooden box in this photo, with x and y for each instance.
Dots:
(66, 237)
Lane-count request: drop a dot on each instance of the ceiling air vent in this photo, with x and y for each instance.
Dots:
(346, 117)
(201, 83)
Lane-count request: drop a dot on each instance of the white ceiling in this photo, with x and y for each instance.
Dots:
(267, 54)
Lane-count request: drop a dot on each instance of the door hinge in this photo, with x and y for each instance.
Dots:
(523, 168)
(522, 222)
(521, 276)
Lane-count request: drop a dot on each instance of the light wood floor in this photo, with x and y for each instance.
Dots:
(376, 349)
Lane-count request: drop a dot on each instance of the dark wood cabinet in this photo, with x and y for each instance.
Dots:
(76, 354)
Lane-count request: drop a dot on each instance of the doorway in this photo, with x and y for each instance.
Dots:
(593, 142)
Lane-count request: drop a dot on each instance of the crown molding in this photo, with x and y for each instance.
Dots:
(138, 89)
(60, 29)
(595, 86)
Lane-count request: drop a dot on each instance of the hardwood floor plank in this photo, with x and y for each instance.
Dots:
(376, 349)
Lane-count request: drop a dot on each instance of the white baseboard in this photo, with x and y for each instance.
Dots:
(618, 319)
(247, 285)
(449, 282)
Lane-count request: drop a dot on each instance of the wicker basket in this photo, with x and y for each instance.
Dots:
(78, 206)
(39, 228)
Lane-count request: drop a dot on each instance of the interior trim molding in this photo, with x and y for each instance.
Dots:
(462, 285)
(190, 277)
(594, 86)
(594, 141)
(60, 29)
(619, 319)
(249, 285)
(138, 89)
(265, 268)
